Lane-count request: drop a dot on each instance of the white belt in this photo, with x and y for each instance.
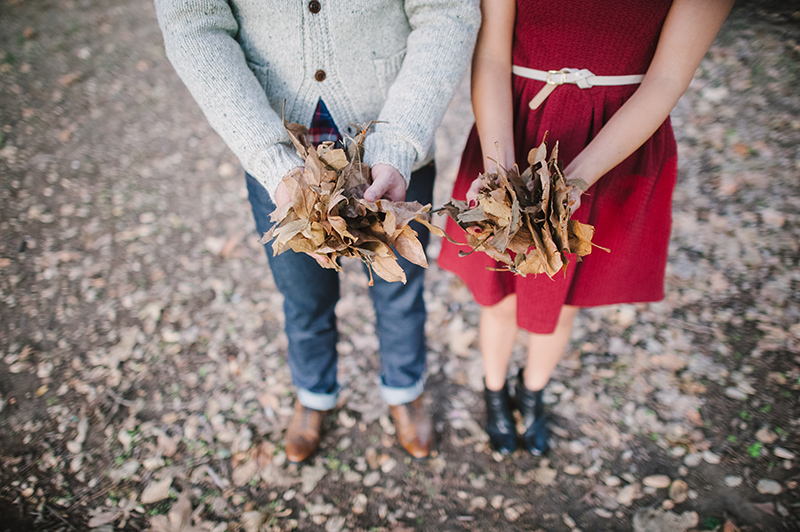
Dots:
(583, 78)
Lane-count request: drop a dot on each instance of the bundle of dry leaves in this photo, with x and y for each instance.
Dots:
(524, 220)
(328, 216)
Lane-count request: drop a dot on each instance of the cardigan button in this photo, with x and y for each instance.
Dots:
(314, 6)
(319, 75)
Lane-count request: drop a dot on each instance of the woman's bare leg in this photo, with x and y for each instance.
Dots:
(545, 350)
(498, 332)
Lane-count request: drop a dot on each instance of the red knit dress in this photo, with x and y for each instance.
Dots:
(630, 206)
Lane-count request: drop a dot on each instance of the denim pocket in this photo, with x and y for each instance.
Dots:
(386, 70)
(262, 74)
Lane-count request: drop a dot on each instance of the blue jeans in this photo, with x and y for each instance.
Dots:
(310, 293)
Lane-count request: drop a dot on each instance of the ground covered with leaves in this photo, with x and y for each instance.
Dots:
(143, 382)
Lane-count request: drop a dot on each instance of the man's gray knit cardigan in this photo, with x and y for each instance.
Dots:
(390, 60)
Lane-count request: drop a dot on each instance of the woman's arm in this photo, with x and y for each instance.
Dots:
(688, 31)
(491, 86)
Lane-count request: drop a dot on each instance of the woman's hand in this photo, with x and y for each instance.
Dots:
(577, 186)
(574, 199)
(472, 193)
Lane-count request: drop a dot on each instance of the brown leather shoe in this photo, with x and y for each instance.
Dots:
(303, 434)
(414, 427)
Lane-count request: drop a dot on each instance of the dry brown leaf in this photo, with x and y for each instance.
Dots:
(730, 527)
(244, 472)
(69, 79)
(180, 515)
(580, 237)
(286, 232)
(435, 230)
(409, 247)
(493, 206)
(156, 491)
(105, 518)
(336, 159)
(168, 446)
(551, 252)
(251, 521)
(387, 268)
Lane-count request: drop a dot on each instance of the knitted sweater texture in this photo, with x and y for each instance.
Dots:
(247, 62)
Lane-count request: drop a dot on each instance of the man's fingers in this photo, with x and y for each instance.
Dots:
(322, 260)
(386, 183)
(380, 190)
(375, 191)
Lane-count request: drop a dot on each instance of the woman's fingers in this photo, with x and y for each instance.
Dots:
(574, 200)
(472, 193)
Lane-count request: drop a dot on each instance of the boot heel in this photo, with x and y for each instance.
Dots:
(500, 420)
(531, 407)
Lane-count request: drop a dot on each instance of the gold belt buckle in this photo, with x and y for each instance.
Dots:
(559, 82)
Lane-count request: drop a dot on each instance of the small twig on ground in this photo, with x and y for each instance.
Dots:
(117, 399)
(223, 465)
(704, 329)
(55, 513)
(87, 496)
(214, 477)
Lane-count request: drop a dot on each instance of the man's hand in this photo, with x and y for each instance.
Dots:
(386, 183)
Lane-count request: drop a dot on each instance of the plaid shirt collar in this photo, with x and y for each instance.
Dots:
(322, 126)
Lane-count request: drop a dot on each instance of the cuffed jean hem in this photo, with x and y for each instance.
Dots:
(401, 396)
(317, 401)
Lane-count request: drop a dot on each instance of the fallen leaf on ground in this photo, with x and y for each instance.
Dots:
(68, 79)
(156, 491)
(730, 527)
(252, 521)
(104, 518)
(311, 477)
(243, 473)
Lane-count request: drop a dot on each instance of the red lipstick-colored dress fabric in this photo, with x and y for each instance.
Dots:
(630, 207)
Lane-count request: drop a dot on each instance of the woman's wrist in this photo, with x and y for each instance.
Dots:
(578, 183)
(575, 174)
(493, 166)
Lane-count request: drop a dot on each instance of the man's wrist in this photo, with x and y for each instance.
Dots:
(383, 148)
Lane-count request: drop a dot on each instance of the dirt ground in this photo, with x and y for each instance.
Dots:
(143, 382)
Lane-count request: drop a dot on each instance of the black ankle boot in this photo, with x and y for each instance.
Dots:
(500, 420)
(531, 407)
